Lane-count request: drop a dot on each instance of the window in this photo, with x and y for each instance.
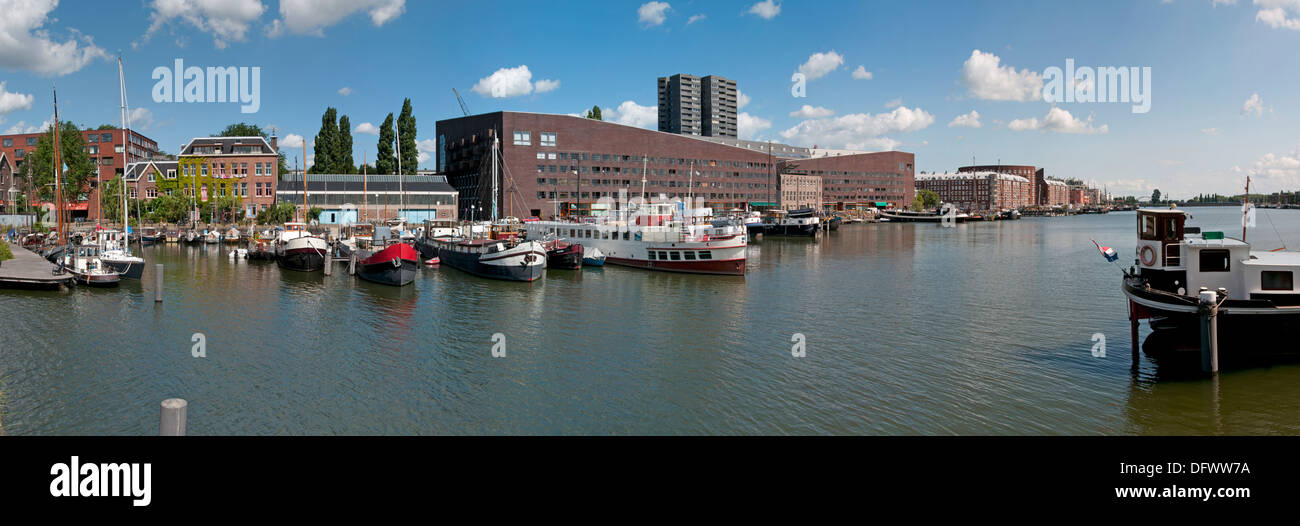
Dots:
(105, 137)
(523, 138)
(705, 254)
(171, 174)
(8, 143)
(652, 254)
(1215, 261)
(151, 179)
(31, 141)
(690, 256)
(663, 255)
(1147, 229)
(548, 139)
(675, 255)
(1276, 280)
(19, 153)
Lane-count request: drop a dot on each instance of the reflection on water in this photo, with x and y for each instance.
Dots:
(984, 328)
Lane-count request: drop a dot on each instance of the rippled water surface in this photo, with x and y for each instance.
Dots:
(909, 329)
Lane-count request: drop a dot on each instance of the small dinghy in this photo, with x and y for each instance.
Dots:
(433, 261)
(593, 258)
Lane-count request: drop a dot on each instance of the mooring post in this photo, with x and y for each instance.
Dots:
(329, 262)
(158, 283)
(1133, 324)
(172, 422)
(1209, 310)
(352, 264)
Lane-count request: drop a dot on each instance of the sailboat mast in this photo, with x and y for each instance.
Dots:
(1245, 200)
(304, 181)
(126, 147)
(495, 178)
(58, 176)
(365, 192)
(401, 176)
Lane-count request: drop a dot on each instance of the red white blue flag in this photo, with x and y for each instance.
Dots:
(1106, 251)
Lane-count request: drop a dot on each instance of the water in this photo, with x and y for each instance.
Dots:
(909, 329)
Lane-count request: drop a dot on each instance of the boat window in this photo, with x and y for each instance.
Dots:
(675, 255)
(663, 255)
(1147, 228)
(1215, 261)
(625, 235)
(652, 254)
(705, 254)
(689, 256)
(1170, 229)
(1276, 280)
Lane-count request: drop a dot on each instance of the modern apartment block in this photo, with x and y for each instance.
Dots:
(704, 106)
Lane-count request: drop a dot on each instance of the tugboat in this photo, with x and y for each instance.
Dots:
(87, 268)
(395, 265)
(1177, 268)
(296, 249)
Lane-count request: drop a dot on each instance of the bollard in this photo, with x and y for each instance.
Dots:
(158, 283)
(172, 422)
(329, 263)
(1209, 309)
(352, 264)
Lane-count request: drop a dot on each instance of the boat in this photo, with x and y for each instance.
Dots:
(832, 223)
(173, 236)
(432, 261)
(934, 216)
(192, 237)
(238, 253)
(297, 249)
(794, 223)
(231, 237)
(116, 253)
(1175, 265)
(353, 238)
(150, 235)
(511, 260)
(593, 258)
(561, 254)
(86, 267)
(658, 236)
(212, 237)
(428, 234)
(395, 265)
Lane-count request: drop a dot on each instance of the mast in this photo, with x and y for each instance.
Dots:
(769, 173)
(304, 181)
(126, 149)
(495, 177)
(1244, 209)
(644, 161)
(401, 176)
(58, 175)
(365, 195)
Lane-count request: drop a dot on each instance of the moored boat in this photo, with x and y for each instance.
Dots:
(593, 258)
(563, 255)
(395, 265)
(86, 267)
(297, 249)
(115, 252)
(491, 258)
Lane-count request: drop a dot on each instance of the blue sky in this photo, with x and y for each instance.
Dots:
(1224, 73)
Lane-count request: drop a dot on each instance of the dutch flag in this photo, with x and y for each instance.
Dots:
(1106, 251)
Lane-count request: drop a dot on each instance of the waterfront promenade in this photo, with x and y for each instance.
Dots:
(29, 270)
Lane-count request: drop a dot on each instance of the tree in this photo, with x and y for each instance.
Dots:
(406, 131)
(168, 208)
(110, 199)
(918, 203)
(343, 148)
(81, 169)
(594, 113)
(106, 127)
(385, 161)
(929, 199)
(326, 143)
(1155, 197)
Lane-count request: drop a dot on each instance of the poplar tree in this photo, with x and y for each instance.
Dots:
(326, 143)
(343, 152)
(406, 128)
(385, 161)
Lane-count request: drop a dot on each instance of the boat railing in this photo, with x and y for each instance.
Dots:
(1173, 255)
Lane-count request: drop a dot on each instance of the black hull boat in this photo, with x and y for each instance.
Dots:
(809, 230)
(396, 265)
(494, 259)
(127, 269)
(563, 255)
(302, 260)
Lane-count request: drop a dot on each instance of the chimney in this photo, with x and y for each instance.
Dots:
(274, 148)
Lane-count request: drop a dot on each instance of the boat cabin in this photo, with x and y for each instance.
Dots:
(1176, 258)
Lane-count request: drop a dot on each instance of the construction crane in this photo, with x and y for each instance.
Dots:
(463, 108)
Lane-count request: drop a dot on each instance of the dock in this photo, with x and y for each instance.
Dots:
(27, 270)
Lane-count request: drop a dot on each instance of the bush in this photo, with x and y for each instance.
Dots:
(5, 254)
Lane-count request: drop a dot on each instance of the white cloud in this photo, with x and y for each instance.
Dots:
(987, 79)
(225, 20)
(24, 45)
(1274, 170)
(427, 149)
(140, 118)
(291, 140)
(311, 17)
(505, 83)
(894, 103)
(11, 102)
(749, 126)
(1210, 131)
(1253, 105)
(862, 74)
(858, 131)
(1060, 121)
(820, 64)
(742, 99)
(767, 9)
(366, 128)
(652, 13)
(22, 127)
(632, 114)
(696, 18)
(545, 85)
(345, 91)
(810, 112)
(969, 120)
(1279, 14)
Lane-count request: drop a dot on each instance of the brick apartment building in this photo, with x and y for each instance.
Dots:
(980, 191)
(800, 191)
(107, 149)
(553, 161)
(243, 167)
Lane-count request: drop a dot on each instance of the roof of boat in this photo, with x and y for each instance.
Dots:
(1162, 211)
(1274, 258)
(1201, 242)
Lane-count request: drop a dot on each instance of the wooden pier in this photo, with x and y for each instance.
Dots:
(27, 270)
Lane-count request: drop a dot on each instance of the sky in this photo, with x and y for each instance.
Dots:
(953, 82)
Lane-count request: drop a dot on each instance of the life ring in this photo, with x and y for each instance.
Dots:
(1148, 256)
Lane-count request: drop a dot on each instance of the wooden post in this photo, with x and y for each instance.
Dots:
(352, 264)
(1133, 324)
(1209, 309)
(329, 262)
(158, 283)
(172, 422)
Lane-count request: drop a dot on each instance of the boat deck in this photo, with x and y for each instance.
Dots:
(29, 270)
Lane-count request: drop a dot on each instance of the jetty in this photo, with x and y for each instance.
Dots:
(27, 270)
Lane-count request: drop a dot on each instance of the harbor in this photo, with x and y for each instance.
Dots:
(619, 350)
